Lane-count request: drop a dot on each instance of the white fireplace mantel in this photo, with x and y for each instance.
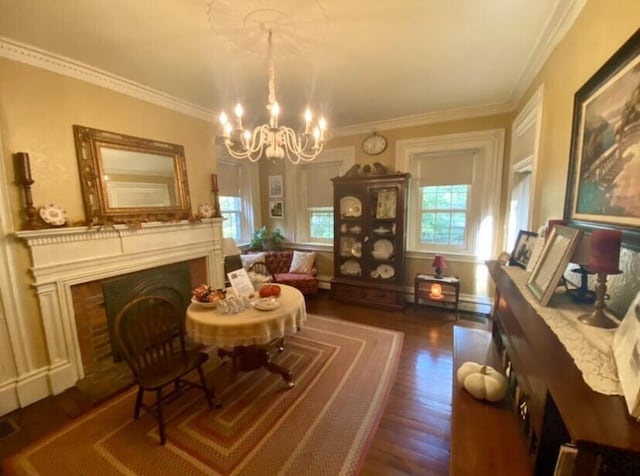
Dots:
(64, 257)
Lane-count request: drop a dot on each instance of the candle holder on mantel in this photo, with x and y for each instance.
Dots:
(24, 179)
(582, 257)
(216, 196)
(605, 259)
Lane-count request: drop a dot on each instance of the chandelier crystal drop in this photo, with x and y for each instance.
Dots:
(271, 140)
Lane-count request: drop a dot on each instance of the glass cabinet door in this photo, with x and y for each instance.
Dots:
(382, 245)
(350, 232)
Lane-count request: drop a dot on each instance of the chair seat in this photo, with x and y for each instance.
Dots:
(163, 371)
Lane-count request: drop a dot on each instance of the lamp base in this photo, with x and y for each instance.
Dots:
(598, 319)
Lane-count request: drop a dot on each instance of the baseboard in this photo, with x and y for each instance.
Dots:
(25, 390)
(8, 397)
(468, 302)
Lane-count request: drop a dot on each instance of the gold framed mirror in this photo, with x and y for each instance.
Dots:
(130, 179)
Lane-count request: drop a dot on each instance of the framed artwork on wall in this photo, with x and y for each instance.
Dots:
(523, 248)
(554, 259)
(275, 186)
(276, 209)
(604, 163)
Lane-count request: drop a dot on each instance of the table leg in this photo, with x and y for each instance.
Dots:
(253, 357)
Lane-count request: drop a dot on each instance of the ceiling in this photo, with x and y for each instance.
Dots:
(362, 63)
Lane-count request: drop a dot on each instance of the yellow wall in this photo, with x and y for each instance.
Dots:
(37, 111)
(600, 29)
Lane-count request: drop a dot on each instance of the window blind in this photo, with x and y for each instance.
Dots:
(319, 184)
(228, 179)
(452, 168)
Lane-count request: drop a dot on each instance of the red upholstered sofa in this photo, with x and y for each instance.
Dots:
(279, 263)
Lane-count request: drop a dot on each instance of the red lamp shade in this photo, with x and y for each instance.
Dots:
(605, 251)
(439, 262)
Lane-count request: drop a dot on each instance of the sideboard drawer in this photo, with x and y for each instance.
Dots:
(347, 291)
(384, 296)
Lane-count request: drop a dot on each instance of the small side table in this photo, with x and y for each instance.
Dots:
(450, 291)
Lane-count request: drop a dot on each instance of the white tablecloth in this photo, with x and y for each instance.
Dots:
(249, 327)
(590, 347)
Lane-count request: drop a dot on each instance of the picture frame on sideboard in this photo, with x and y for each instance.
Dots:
(553, 261)
(523, 248)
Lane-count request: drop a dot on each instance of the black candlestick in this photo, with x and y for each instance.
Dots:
(583, 294)
(24, 179)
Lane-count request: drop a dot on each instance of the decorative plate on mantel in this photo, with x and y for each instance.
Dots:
(53, 215)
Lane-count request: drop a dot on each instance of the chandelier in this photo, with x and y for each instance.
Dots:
(271, 140)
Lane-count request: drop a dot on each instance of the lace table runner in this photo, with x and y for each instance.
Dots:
(590, 347)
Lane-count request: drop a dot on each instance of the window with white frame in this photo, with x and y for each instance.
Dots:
(454, 192)
(237, 181)
(310, 183)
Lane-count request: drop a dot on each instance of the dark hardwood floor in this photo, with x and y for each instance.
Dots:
(414, 433)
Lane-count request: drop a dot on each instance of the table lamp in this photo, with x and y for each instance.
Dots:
(582, 257)
(439, 264)
(604, 260)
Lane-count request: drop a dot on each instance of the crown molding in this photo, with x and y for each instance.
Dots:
(565, 15)
(39, 58)
(426, 118)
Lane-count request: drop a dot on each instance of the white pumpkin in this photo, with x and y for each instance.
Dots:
(467, 369)
(486, 384)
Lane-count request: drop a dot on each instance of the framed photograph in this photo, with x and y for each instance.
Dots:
(275, 186)
(553, 261)
(276, 209)
(523, 249)
(604, 159)
(387, 203)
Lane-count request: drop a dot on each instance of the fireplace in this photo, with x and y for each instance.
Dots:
(71, 265)
(96, 304)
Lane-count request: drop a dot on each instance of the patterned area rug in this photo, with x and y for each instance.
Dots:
(322, 426)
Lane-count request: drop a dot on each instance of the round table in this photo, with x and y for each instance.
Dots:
(251, 333)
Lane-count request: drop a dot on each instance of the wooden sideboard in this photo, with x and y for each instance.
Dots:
(550, 398)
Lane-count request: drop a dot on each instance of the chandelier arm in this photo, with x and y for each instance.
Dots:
(294, 146)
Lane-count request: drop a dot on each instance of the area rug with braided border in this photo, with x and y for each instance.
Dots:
(322, 426)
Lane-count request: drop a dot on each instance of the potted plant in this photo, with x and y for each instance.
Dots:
(266, 239)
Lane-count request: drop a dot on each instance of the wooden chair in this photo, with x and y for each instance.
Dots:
(262, 268)
(150, 332)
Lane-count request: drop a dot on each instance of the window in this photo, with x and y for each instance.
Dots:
(320, 223)
(525, 139)
(310, 183)
(444, 215)
(237, 180)
(454, 192)
(231, 210)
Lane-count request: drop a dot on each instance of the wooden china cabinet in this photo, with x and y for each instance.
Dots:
(369, 229)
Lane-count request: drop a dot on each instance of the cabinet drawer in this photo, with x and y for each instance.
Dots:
(382, 296)
(344, 290)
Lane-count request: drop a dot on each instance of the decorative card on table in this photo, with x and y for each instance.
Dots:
(241, 283)
(626, 351)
